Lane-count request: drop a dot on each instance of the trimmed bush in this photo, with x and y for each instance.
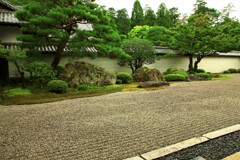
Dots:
(226, 72)
(238, 70)
(232, 70)
(204, 75)
(175, 77)
(125, 77)
(85, 87)
(182, 73)
(118, 81)
(200, 71)
(57, 86)
(16, 91)
(170, 71)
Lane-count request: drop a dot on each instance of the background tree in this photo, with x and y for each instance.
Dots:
(123, 21)
(18, 58)
(139, 32)
(149, 16)
(167, 18)
(160, 36)
(141, 52)
(137, 17)
(57, 23)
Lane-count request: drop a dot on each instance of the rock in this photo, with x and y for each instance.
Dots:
(149, 84)
(79, 73)
(196, 78)
(144, 74)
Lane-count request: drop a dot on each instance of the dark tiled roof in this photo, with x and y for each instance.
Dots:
(9, 5)
(47, 48)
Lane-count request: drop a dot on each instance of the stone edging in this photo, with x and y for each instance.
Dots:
(185, 144)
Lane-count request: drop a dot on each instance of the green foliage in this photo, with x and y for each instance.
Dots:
(140, 52)
(16, 91)
(238, 70)
(123, 21)
(160, 36)
(57, 86)
(139, 32)
(200, 71)
(185, 74)
(172, 70)
(59, 70)
(118, 81)
(166, 18)
(56, 23)
(85, 87)
(149, 17)
(137, 17)
(226, 72)
(125, 77)
(41, 72)
(233, 70)
(204, 75)
(175, 77)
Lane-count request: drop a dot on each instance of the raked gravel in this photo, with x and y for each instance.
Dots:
(119, 125)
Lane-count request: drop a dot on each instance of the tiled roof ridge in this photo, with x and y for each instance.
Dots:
(9, 5)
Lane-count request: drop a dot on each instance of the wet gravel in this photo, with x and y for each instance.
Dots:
(212, 150)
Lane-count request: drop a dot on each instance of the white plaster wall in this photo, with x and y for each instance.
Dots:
(9, 33)
(210, 64)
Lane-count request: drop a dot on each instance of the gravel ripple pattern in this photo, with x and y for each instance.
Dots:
(119, 125)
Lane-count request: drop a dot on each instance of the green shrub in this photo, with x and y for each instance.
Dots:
(170, 71)
(17, 91)
(232, 70)
(182, 73)
(59, 70)
(118, 81)
(226, 72)
(125, 77)
(57, 86)
(85, 87)
(41, 72)
(204, 75)
(175, 77)
(238, 70)
(200, 71)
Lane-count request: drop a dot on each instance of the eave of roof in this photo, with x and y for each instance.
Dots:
(9, 5)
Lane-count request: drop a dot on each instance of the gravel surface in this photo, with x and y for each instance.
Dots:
(215, 149)
(119, 125)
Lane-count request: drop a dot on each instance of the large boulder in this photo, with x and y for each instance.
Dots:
(150, 84)
(79, 73)
(144, 74)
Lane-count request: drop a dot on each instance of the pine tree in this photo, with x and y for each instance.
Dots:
(57, 23)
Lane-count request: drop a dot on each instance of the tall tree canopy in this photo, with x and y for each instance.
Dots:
(137, 17)
(58, 23)
(149, 17)
(167, 18)
(123, 21)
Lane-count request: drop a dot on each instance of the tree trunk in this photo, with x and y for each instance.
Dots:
(190, 66)
(199, 58)
(59, 52)
(23, 80)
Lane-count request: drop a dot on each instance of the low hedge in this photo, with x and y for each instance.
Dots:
(204, 75)
(182, 73)
(233, 70)
(16, 91)
(175, 77)
(57, 86)
(125, 77)
(200, 71)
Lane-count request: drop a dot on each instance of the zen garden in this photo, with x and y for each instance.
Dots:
(45, 63)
